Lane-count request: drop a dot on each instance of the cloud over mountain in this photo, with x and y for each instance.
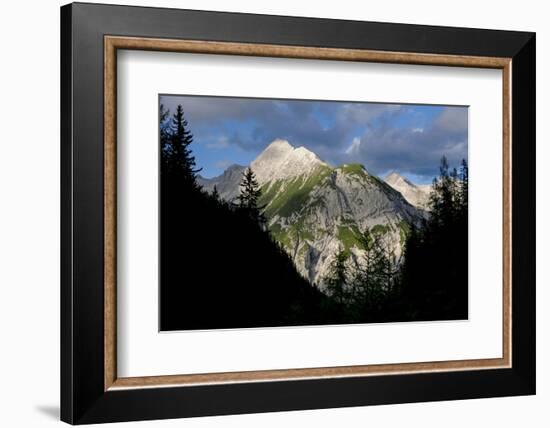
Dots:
(405, 138)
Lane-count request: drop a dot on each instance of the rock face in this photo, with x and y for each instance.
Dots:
(314, 211)
(227, 183)
(281, 161)
(416, 195)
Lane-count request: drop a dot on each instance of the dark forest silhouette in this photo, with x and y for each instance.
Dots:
(221, 268)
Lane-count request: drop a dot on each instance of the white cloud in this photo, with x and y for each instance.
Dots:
(418, 130)
(453, 119)
(221, 143)
(354, 146)
(363, 113)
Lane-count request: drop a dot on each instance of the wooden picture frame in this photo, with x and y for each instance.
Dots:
(91, 390)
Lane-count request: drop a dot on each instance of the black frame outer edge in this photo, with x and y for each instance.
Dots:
(66, 306)
(82, 397)
(524, 214)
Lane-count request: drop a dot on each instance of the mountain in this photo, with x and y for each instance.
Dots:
(314, 210)
(281, 161)
(226, 183)
(416, 195)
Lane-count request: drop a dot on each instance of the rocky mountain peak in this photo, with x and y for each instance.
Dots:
(416, 195)
(395, 179)
(234, 167)
(278, 147)
(281, 161)
(227, 183)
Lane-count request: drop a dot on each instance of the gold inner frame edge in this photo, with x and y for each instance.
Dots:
(113, 43)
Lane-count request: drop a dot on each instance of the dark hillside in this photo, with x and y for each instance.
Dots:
(219, 269)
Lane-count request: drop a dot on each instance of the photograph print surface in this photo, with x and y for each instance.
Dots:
(278, 212)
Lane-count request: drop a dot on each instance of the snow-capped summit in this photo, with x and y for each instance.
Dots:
(416, 195)
(281, 161)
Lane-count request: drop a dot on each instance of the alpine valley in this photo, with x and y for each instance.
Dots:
(315, 211)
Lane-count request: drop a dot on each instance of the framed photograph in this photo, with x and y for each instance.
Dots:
(266, 213)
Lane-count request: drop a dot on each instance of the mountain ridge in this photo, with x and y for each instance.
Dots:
(417, 195)
(315, 211)
(227, 184)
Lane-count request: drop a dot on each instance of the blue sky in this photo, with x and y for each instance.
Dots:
(408, 139)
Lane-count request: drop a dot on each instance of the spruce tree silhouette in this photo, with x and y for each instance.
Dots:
(179, 159)
(249, 195)
(337, 280)
(164, 127)
(375, 277)
(215, 193)
(463, 188)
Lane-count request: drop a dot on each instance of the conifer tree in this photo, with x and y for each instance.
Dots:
(179, 161)
(338, 278)
(163, 125)
(215, 193)
(249, 196)
(378, 272)
(441, 197)
(463, 186)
